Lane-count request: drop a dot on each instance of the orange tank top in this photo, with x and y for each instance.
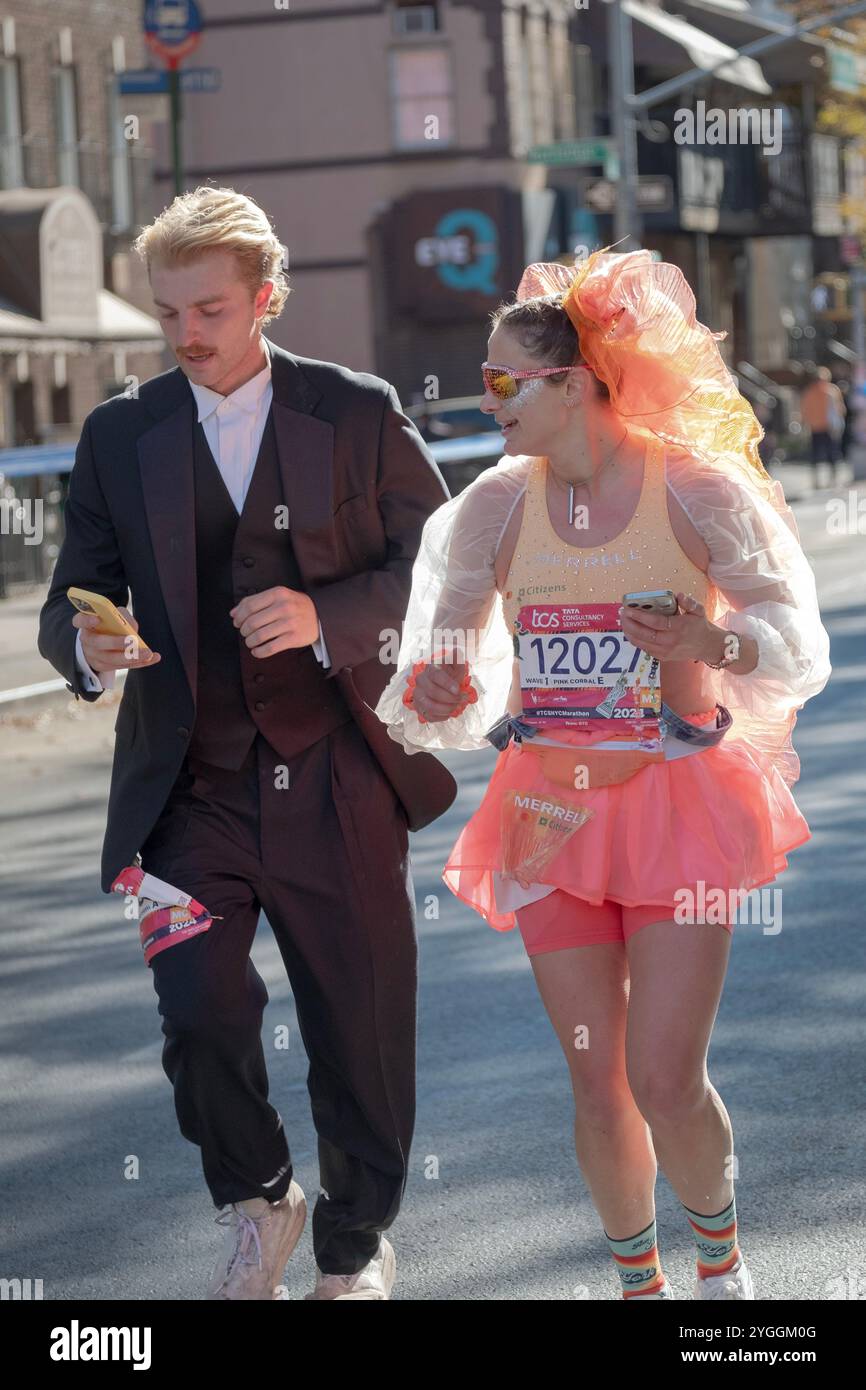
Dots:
(646, 555)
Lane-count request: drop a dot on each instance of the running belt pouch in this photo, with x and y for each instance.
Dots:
(166, 915)
(604, 767)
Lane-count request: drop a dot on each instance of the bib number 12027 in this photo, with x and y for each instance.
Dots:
(603, 655)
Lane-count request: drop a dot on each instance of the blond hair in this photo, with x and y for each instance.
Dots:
(219, 219)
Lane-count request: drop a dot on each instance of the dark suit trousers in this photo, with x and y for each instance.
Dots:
(326, 857)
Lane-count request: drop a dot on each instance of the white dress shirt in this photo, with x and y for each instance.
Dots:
(233, 426)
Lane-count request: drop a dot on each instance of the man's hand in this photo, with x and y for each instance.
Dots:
(105, 652)
(437, 691)
(276, 620)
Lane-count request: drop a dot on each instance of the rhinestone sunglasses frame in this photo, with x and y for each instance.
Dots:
(491, 371)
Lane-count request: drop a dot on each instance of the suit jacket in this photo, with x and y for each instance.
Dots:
(359, 484)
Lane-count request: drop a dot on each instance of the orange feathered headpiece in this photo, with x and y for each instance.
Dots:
(636, 325)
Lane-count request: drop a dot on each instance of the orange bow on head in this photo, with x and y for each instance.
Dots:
(637, 330)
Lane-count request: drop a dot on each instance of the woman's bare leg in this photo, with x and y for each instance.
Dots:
(586, 988)
(676, 973)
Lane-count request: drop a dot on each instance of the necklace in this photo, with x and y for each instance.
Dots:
(600, 471)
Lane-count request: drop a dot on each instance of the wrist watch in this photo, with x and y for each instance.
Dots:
(732, 639)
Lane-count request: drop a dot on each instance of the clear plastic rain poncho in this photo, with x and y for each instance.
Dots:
(636, 325)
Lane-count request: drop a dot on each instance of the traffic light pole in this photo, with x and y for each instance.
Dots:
(857, 393)
(627, 219)
(175, 117)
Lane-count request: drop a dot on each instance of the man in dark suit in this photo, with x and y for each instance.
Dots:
(264, 510)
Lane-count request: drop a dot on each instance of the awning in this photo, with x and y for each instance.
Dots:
(703, 50)
(118, 324)
(724, 6)
(120, 320)
(799, 59)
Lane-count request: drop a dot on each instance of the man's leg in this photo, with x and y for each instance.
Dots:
(338, 894)
(211, 997)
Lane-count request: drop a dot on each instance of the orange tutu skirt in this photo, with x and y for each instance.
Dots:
(717, 816)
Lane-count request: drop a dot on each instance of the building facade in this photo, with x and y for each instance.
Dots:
(380, 137)
(413, 157)
(76, 322)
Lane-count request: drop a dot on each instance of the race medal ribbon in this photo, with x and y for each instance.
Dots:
(579, 671)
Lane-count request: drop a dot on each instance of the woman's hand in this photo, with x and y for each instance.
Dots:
(437, 691)
(684, 636)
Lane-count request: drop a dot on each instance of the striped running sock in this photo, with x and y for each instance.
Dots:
(716, 1239)
(637, 1261)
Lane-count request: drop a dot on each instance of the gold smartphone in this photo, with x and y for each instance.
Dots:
(653, 600)
(111, 620)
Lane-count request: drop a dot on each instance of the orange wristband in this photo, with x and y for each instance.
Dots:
(465, 685)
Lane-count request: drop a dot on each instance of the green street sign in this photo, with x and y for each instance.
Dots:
(572, 152)
(843, 70)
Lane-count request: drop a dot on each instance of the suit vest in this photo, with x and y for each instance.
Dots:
(286, 696)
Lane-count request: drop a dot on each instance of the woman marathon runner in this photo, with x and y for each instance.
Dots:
(622, 607)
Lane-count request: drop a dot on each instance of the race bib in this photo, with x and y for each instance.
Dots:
(577, 668)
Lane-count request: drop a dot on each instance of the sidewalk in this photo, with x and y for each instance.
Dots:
(21, 666)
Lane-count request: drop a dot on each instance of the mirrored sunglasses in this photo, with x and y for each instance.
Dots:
(504, 382)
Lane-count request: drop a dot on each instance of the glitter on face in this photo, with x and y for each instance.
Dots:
(529, 389)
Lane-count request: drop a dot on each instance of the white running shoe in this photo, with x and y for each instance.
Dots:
(735, 1283)
(374, 1281)
(260, 1237)
(664, 1292)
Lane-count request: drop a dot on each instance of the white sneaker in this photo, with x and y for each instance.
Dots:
(735, 1283)
(260, 1237)
(664, 1292)
(375, 1280)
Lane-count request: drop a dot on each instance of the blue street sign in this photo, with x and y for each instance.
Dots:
(153, 81)
(172, 28)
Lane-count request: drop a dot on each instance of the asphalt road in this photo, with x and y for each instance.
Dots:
(496, 1206)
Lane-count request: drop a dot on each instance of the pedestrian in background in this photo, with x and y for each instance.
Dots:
(822, 409)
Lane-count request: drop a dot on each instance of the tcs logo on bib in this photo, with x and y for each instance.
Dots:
(542, 619)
